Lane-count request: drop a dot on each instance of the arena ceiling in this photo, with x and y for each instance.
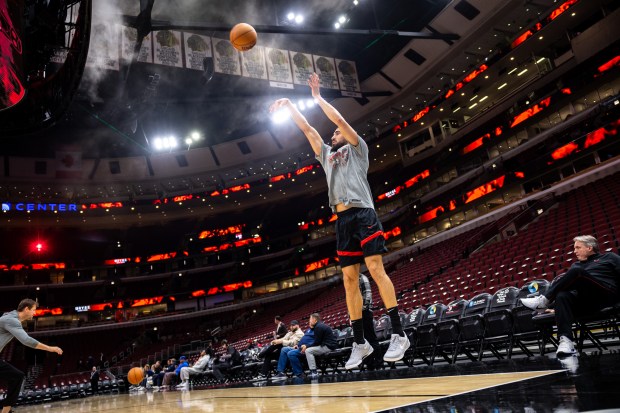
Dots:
(112, 117)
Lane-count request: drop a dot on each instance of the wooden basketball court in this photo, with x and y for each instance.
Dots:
(352, 396)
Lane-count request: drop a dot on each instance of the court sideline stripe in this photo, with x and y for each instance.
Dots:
(547, 373)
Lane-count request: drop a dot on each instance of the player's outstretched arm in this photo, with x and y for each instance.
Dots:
(300, 120)
(347, 131)
(51, 349)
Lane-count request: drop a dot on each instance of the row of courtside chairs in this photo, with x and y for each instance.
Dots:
(72, 390)
(487, 325)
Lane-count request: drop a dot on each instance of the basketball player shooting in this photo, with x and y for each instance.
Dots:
(359, 233)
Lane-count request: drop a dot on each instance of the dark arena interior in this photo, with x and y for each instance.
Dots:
(155, 208)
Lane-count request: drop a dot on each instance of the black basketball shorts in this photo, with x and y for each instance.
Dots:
(359, 234)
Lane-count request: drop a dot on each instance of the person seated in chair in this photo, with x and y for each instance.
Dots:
(289, 340)
(199, 367)
(292, 355)
(229, 359)
(324, 342)
(158, 378)
(170, 378)
(590, 284)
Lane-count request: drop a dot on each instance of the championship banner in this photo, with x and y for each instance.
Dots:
(129, 37)
(197, 47)
(302, 67)
(283, 68)
(253, 63)
(226, 57)
(279, 68)
(103, 49)
(347, 75)
(326, 69)
(167, 50)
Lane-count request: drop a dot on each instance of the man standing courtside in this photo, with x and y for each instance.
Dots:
(11, 326)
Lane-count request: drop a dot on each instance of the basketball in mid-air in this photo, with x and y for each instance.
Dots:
(135, 376)
(243, 37)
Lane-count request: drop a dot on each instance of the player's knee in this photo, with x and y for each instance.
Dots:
(375, 266)
(563, 296)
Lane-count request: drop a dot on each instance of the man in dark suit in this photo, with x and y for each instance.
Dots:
(94, 380)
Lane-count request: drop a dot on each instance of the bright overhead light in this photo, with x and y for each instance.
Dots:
(195, 136)
(301, 105)
(280, 116)
(355, 3)
(309, 103)
(483, 99)
(168, 142)
(502, 86)
(299, 19)
(474, 105)
(342, 19)
(188, 141)
(290, 16)
(512, 71)
(475, 96)
(337, 25)
(521, 72)
(540, 60)
(456, 110)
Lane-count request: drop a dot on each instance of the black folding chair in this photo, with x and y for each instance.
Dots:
(448, 331)
(525, 331)
(472, 327)
(499, 323)
(427, 333)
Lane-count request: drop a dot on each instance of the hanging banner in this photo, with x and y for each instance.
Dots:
(283, 68)
(197, 47)
(69, 163)
(226, 57)
(326, 69)
(279, 68)
(347, 76)
(302, 67)
(103, 49)
(129, 37)
(168, 48)
(253, 63)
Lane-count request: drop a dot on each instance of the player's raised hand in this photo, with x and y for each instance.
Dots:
(314, 84)
(279, 104)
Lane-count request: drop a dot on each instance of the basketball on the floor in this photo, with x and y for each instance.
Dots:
(135, 376)
(243, 37)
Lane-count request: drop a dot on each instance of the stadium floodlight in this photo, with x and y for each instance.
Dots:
(279, 116)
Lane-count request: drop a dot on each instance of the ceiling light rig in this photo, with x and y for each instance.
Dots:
(342, 20)
(167, 143)
(294, 18)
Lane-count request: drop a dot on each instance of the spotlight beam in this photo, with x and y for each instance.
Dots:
(212, 27)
